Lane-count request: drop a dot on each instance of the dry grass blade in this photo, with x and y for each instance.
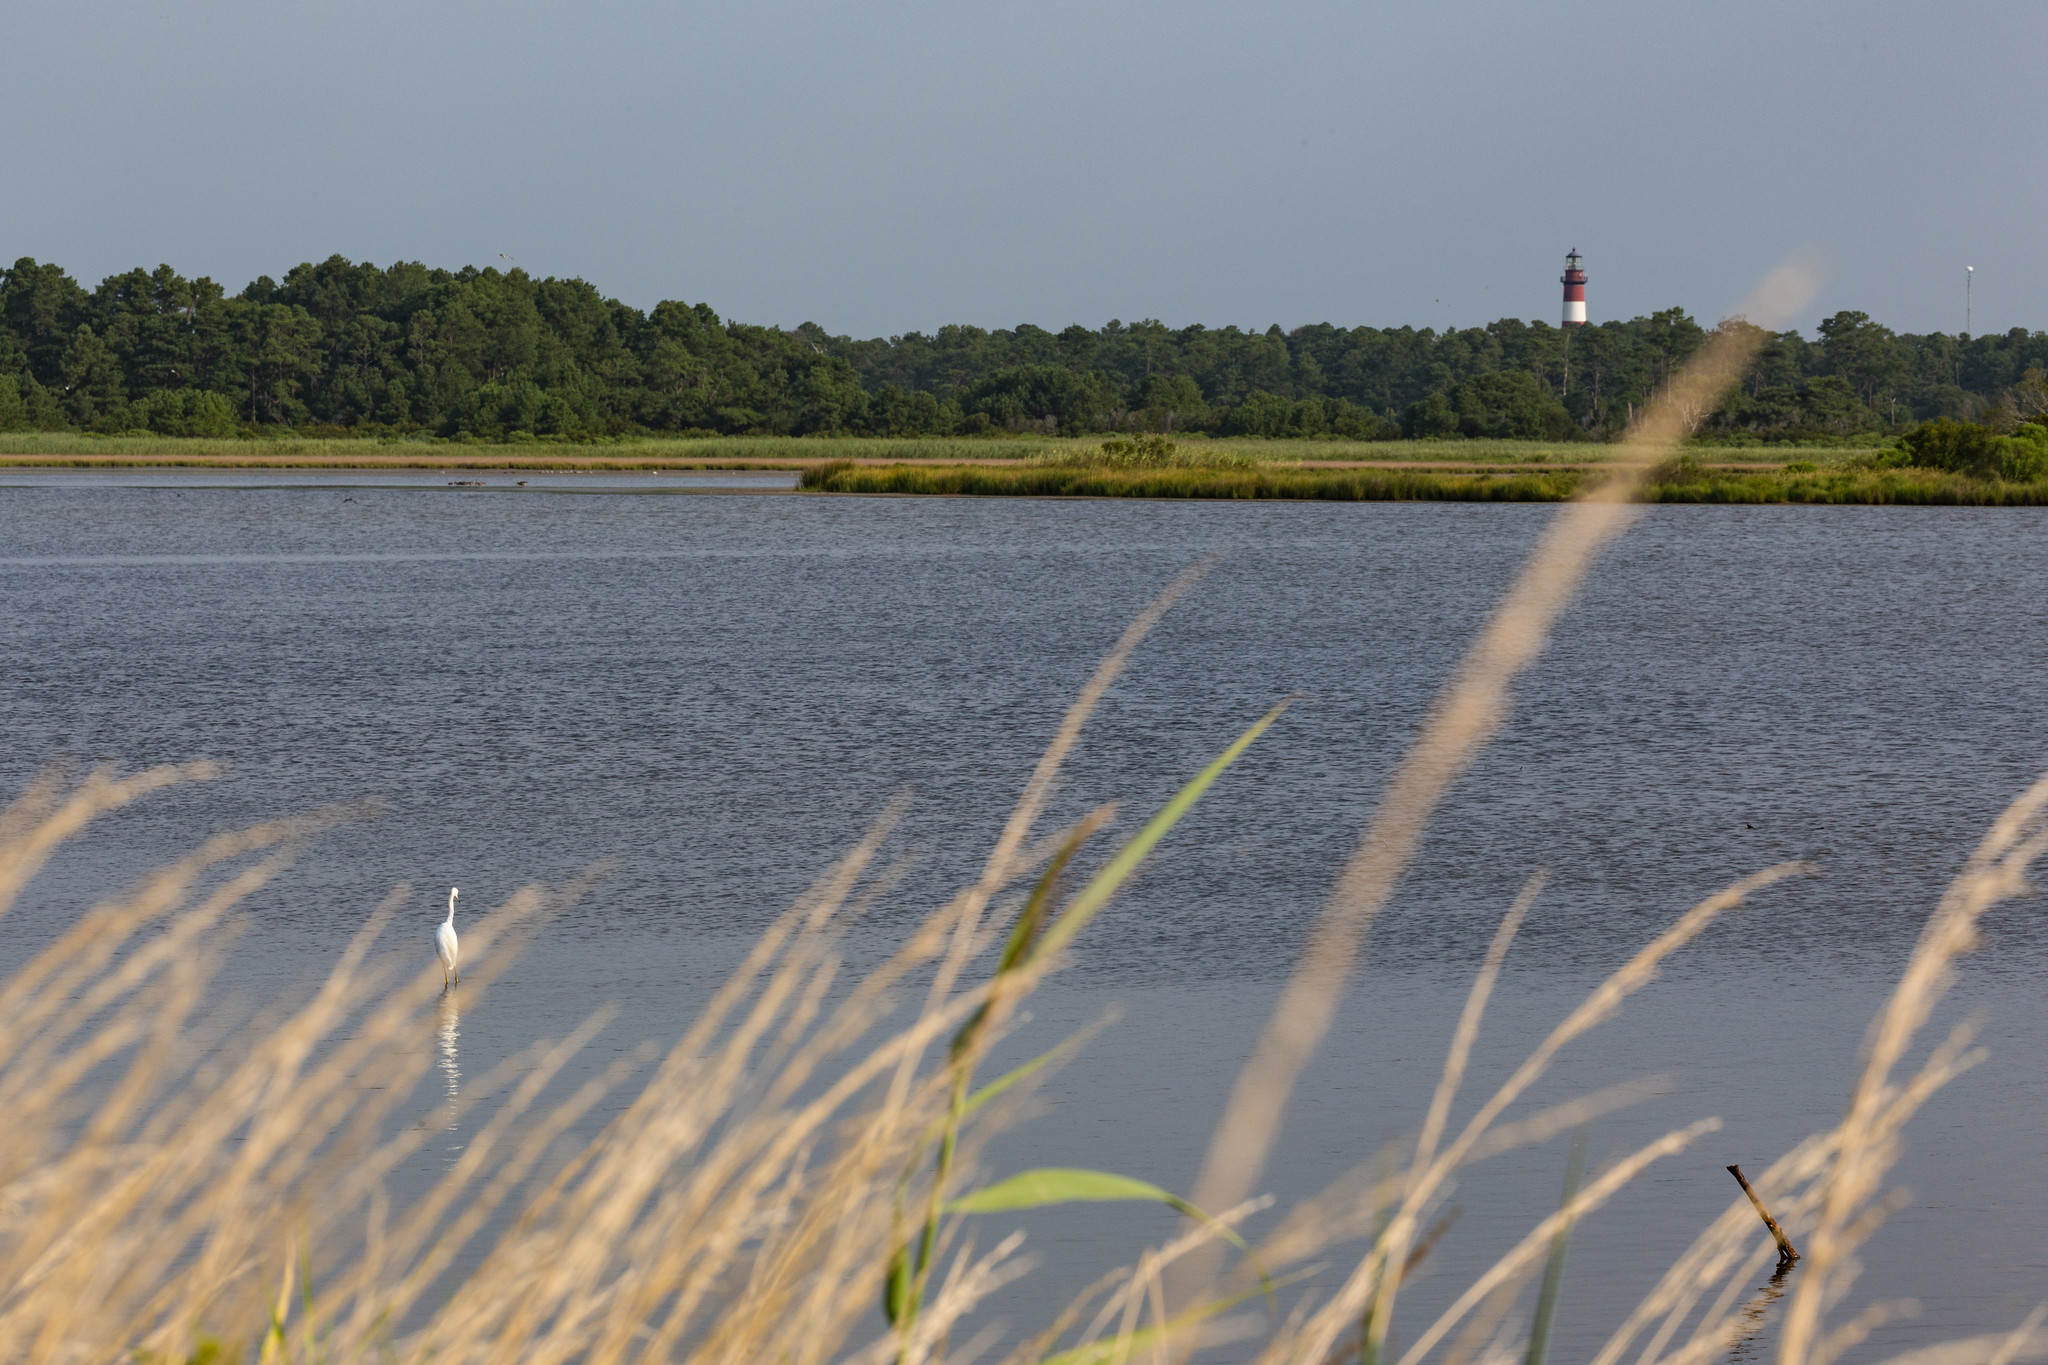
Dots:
(2021, 1335)
(1546, 1124)
(42, 818)
(1998, 1346)
(1468, 1023)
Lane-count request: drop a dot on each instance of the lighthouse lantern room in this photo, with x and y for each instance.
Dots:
(1574, 281)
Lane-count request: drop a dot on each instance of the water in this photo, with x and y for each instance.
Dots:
(718, 693)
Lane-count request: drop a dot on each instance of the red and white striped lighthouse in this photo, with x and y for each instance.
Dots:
(1574, 281)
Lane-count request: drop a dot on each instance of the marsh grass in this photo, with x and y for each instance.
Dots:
(1686, 481)
(1690, 481)
(1090, 481)
(1150, 452)
(1460, 452)
(800, 1152)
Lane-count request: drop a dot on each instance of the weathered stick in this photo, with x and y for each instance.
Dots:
(1786, 1253)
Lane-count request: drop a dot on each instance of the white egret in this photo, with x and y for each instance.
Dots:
(444, 941)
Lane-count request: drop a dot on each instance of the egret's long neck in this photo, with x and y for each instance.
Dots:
(451, 910)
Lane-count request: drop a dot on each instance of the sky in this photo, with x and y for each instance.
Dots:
(897, 165)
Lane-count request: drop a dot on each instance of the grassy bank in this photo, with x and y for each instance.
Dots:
(1342, 485)
(1869, 487)
(72, 450)
(1905, 487)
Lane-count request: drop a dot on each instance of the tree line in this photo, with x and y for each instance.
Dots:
(342, 347)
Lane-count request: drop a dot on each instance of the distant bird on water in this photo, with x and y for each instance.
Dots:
(444, 941)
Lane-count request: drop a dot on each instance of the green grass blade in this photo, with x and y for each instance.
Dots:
(903, 1306)
(1026, 928)
(1057, 1185)
(1553, 1269)
(1383, 1216)
(1025, 931)
(995, 1088)
(1035, 1189)
(1104, 884)
(896, 1285)
(1046, 1185)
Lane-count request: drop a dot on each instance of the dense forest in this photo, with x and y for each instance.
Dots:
(339, 347)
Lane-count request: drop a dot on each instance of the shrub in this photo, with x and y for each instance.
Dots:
(1959, 447)
(2023, 456)
(1977, 450)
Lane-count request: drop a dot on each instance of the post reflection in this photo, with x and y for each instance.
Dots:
(1755, 1316)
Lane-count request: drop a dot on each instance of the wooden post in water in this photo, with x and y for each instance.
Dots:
(1786, 1253)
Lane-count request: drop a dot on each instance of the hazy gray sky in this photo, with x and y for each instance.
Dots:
(886, 167)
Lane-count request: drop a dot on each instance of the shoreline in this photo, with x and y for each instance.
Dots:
(1324, 481)
(200, 464)
(1701, 484)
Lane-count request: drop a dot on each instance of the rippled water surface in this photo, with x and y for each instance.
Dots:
(717, 693)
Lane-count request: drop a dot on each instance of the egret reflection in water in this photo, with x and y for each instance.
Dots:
(449, 1035)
